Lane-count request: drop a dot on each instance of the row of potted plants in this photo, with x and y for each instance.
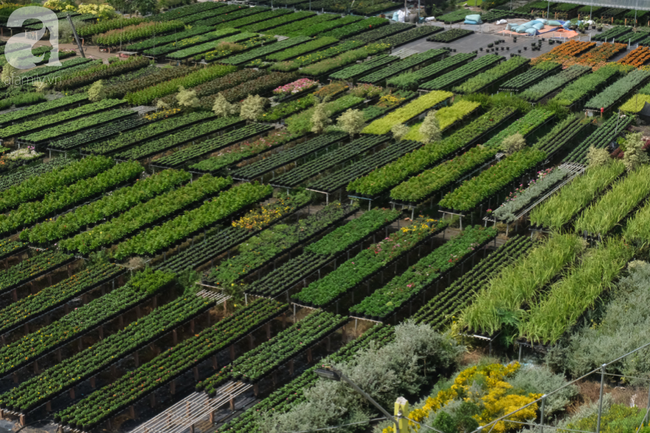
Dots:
(223, 141)
(271, 242)
(67, 197)
(553, 83)
(327, 26)
(136, 32)
(391, 175)
(566, 301)
(150, 46)
(259, 168)
(189, 9)
(218, 21)
(261, 27)
(410, 35)
(315, 56)
(93, 120)
(256, 53)
(411, 80)
(56, 104)
(106, 25)
(111, 399)
(463, 73)
(266, 357)
(355, 28)
(9, 247)
(477, 190)
(241, 230)
(142, 285)
(215, 86)
(491, 76)
(199, 44)
(402, 65)
(148, 132)
(170, 141)
(296, 28)
(264, 15)
(430, 182)
(291, 394)
(367, 263)
(532, 76)
(418, 277)
(155, 239)
(355, 230)
(298, 50)
(242, 151)
(59, 117)
(119, 201)
(600, 138)
(563, 206)
(82, 281)
(300, 123)
(407, 112)
(200, 76)
(447, 305)
(47, 177)
(302, 174)
(31, 268)
(225, 49)
(614, 93)
(107, 351)
(522, 197)
(624, 196)
(145, 214)
(520, 284)
(86, 76)
(260, 85)
(328, 65)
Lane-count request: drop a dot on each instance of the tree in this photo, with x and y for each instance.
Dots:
(252, 108)
(162, 105)
(430, 128)
(8, 74)
(352, 122)
(399, 131)
(96, 91)
(319, 119)
(187, 98)
(514, 143)
(223, 108)
(634, 155)
(597, 157)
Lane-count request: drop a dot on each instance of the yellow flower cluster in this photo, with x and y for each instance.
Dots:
(161, 113)
(258, 219)
(499, 400)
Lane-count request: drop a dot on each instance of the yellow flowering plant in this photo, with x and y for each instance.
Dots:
(483, 385)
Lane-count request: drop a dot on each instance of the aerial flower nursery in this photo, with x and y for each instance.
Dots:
(307, 216)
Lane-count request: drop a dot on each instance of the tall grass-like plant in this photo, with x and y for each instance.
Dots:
(567, 299)
(573, 197)
(624, 196)
(502, 301)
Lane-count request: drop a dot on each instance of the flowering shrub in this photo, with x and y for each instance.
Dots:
(495, 398)
(295, 87)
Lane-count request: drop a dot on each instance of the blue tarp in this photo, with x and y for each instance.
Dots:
(473, 19)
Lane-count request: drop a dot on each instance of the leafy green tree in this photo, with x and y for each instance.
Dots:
(514, 143)
(252, 108)
(634, 156)
(96, 91)
(430, 128)
(8, 74)
(187, 98)
(223, 108)
(319, 119)
(597, 157)
(399, 131)
(352, 122)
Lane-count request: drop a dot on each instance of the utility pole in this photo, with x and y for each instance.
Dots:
(76, 38)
